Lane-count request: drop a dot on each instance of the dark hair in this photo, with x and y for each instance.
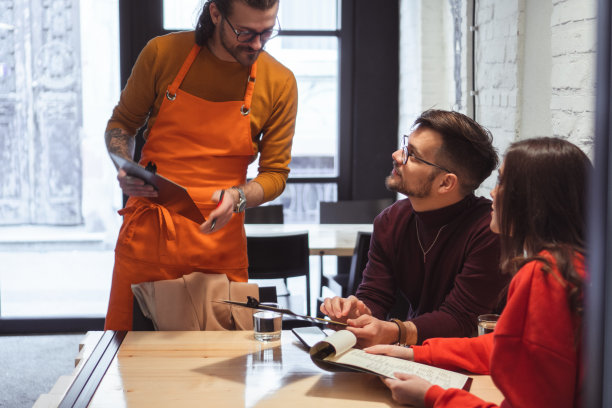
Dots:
(205, 27)
(467, 148)
(541, 199)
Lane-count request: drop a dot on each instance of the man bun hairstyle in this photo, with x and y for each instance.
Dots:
(467, 147)
(205, 27)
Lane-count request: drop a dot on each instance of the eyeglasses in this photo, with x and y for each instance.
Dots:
(406, 154)
(248, 36)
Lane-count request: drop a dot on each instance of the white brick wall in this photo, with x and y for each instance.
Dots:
(573, 71)
(534, 69)
(562, 67)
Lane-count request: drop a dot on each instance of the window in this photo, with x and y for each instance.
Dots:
(309, 46)
(58, 192)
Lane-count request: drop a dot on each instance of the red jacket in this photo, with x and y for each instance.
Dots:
(532, 356)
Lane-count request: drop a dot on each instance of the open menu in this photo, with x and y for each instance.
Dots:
(337, 351)
(169, 194)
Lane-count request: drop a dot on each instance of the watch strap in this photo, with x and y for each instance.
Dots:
(241, 204)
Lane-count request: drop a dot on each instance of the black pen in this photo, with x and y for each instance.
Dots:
(214, 220)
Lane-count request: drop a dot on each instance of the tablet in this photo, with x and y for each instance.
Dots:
(169, 194)
(310, 335)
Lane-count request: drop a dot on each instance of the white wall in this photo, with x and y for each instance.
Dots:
(534, 67)
(426, 69)
(573, 26)
(410, 81)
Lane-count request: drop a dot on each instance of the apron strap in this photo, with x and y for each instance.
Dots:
(171, 92)
(165, 220)
(248, 95)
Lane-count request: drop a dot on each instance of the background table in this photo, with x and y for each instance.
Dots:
(324, 239)
(231, 369)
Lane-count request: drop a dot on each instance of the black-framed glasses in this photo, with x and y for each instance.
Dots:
(248, 36)
(406, 154)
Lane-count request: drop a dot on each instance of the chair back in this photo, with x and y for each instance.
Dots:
(280, 256)
(265, 214)
(352, 211)
(359, 260)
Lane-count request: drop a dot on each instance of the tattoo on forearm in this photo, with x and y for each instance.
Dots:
(118, 141)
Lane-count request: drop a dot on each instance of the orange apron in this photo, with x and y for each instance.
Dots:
(204, 146)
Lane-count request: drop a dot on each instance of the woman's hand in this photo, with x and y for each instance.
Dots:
(393, 351)
(408, 389)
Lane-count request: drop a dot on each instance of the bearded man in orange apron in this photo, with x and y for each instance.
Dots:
(213, 100)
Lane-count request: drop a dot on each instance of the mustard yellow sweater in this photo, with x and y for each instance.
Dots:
(273, 108)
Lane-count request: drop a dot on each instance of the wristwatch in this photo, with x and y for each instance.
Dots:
(241, 204)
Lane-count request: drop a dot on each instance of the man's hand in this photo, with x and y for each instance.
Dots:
(222, 214)
(134, 187)
(371, 331)
(408, 389)
(341, 309)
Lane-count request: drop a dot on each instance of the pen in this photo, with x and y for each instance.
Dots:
(214, 220)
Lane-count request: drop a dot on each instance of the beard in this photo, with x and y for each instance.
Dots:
(244, 54)
(395, 182)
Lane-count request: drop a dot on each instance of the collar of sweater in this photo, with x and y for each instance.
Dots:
(437, 218)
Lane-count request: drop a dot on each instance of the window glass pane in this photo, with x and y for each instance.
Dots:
(293, 14)
(181, 14)
(314, 62)
(301, 201)
(58, 192)
(308, 15)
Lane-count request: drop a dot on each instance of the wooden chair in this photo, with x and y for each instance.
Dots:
(265, 214)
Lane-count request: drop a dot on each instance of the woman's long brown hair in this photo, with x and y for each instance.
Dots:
(541, 203)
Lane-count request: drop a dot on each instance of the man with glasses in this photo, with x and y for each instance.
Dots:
(212, 100)
(433, 250)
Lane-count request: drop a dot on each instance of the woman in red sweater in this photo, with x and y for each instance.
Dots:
(534, 354)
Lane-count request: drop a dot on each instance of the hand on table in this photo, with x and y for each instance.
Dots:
(133, 186)
(341, 309)
(220, 215)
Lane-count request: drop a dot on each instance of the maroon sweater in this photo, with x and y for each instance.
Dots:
(459, 279)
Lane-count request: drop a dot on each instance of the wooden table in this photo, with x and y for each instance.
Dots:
(231, 369)
(324, 239)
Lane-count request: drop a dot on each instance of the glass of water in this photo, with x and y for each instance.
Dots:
(267, 325)
(486, 323)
